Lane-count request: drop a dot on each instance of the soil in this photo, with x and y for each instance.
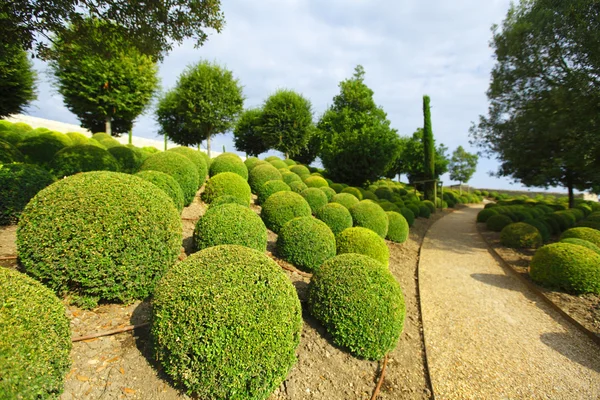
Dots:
(585, 309)
(121, 366)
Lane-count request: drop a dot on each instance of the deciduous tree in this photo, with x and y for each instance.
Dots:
(246, 135)
(462, 165)
(410, 159)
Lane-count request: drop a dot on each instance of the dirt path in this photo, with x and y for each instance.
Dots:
(486, 335)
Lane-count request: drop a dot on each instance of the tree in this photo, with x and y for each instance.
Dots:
(17, 80)
(102, 76)
(410, 159)
(542, 122)
(206, 101)
(358, 144)
(286, 122)
(246, 134)
(428, 150)
(462, 166)
(153, 26)
(310, 152)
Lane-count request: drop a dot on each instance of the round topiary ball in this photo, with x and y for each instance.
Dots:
(316, 182)
(363, 241)
(300, 170)
(408, 215)
(589, 234)
(497, 222)
(520, 236)
(198, 158)
(129, 161)
(233, 308)
(179, 167)
(227, 199)
(230, 224)
(112, 236)
(41, 149)
(424, 211)
(252, 162)
(486, 213)
(315, 198)
(429, 205)
(282, 207)
(329, 192)
(345, 199)
(36, 339)
(289, 162)
(105, 139)
(369, 214)
(353, 191)
(336, 216)
(18, 184)
(279, 164)
(581, 242)
(397, 228)
(298, 186)
(261, 174)
(272, 158)
(541, 227)
(227, 183)
(306, 242)
(337, 187)
(384, 193)
(289, 177)
(360, 304)
(167, 184)
(571, 267)
(82, 158)
(228, 162)
(271, 187)
(10, 154)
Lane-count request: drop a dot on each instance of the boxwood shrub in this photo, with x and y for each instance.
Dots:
(18, 184)
(41, 149)
(521, 236)
(346, 199)
(360, 304)
(541, 227)
(261, 174)
(329, 192)
(228, 162)
(337, 187)
(384, 193)
(300, 170)
(82, 158)
(486, 213)
(230, 224)
(279, 164)
(298, 186)
(336, 216)
(581, 242)
(198, 158)
(99, 235)
(397, 227)
(289, 162)
(9, 153)
(589, 234)
(167, 184)
(289, 177)
(129, 161)
(271, 187)
(594, 224)
(497, 222)
(363, 241)
(353, 191)
(36, 339)
(573, 268)
(369, 214)
(272, 158)
(227, 199)
(106, 140)
(424, 211)
(234, 309)
(408, 215)
(316, 182)
(179, 167)
(282, 207)
(429, 205)
(387, 206)
(227, 183)
(306, 242)
(77, 138)
(315, 198)
(252, 162)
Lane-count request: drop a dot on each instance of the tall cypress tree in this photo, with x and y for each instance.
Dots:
(428, 150)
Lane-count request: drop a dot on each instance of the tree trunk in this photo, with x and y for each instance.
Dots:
(287, 156)
(165, 142)
(460, 188)
(208, 144)
(198, 146)
(571, 196)
(130, 136)
(108, 126)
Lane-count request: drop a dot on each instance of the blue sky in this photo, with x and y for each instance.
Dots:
(408, 48)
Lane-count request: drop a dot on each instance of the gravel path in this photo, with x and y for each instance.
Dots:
(486, 335)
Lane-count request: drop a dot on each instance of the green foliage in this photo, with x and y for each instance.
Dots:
(408, 215)
(589, 234)
(272, 158)
(77, 138)
(41, 149)
(360, 303)
(428, 149)
(410, 160)
(337, 187)
(198, 158)
(369, 214)
(300, 170)
(279, 164)
(329, 192)
(36, 339)
(429, 205)
(521, 235)
(261, 174)
(462, 166)
(306, 242)
(82, 158)
(252, 162)
(353, 191)
(167, 184)
(282, 207)
(289, 177)
(179, 167)
(17, 79)
(346, 199)
(497, 222)
(424, 211)
(315, 197)
(397, 227)
(227, 199)
(298, 186)
(201, 311)
(9, 153)
(106, 140)
(485, 214)
(363, 241)
(227, 183)
(573, 268)
(541, 227)
(18, 184)
(316, 182)
(582, 242)
(289, 162)
(230, 224)
(271, 187)
(129, 161)
(228, 162)
(113, 236)
(246, 134)
(336, 216)
(384, 193)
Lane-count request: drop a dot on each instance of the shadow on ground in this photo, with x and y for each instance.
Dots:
(563, 343)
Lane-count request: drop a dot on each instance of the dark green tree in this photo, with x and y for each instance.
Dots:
(310, 152)
(206, 101)
(246, 135)
(462, 165)
(410, 159)
(358, 144)
(17, 80)
(428, 149)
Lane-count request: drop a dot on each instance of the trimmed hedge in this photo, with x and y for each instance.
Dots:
(316, 182)
(300, 170)
(106, 140)
(227, 199)
(129, 161)
(289, 162)
(397, 227)
(282, 207)
(315, 198)
(581, 242)
(228, 162)
(329, 192)
(384, 193)
(408, 215)
(369, 214)
(252, 162)
(521, 236)
(261, 174)
(363, 241)
(230, 224)
(573, 268)
(99, 235)
(9, 153)
(485, 214)
(198, 158)
(353, 191)
(298, 186)
(289, 177)
(589, 234)
(167, 184)
(336, 216)
(77, 138)
(429, 205)
(82, 158)
(36, 339)
(346, 199)
(541, 227)
(360, 304)
(306, 242)
(271, 187)
(18, 184)
(497, 222)
(337, 187)
(278, 164)
(227, 183)
(41, 149)
(179, 167)
(424, 211)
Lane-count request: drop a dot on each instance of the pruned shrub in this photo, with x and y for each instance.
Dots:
(77, 138)
(233, 308)
(272, 158)
(228, 162)
(289, 177)
(589, 234)
(113, 235)
(252, 162)
(230, 224)
(300, 170)
(581, 242)
(82, 158)
(520, 236)
(227, 199)
(573, 268)
(36, 339)
(167, 184)
(289, 162)
(306, 242)
(298, 187)
(397, 227)
(337, 187)
(594, 224)
(497, 222)
(384, 193)
(198, 158)
(564, 219)
(106, 140)
(179, 167)
(271, 187)
(370, 215)
(408, 215)
(429, 205)
(363, 241)
(41, 149)
(282, 207)
(315, 198)
(329, 192)
(278, 164)
(414, 208)
(387, 206)
(227, 183)
(316, 182)
(360, 304)
(353, 191)
(129, 161)
(261, 174)
(9, 153)
(345, 199)
(424, 211)
(541, 227)
(336, 216)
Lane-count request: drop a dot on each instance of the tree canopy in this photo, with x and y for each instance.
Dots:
(462, 165)
(17, 80)
(411, 156)
(246, 135)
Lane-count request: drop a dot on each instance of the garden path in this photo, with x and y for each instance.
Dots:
(486, 335)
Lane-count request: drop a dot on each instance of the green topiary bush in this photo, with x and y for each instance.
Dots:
(289, 162)
(198, 158)
(353, 191)
(129, 161)
(278, 164)
(363, 241)
(228, 162)
(315, 198)
(486, 213)
(252, 162)
(397, 227)
(82, 158)
(387, 206)
(346, 199)
(497, 222)
(429, 205)
(594, 224)
(106, 140)
(573, 268)
(581, 242)
(306, 242)
(298, 186)
(271, 187)
(289, 177)
(424, 211)
(227, 199)
(230, 224)
(316, 182)
(9, 153)
(18, 184)
(282, 207)
(329, 192)
(337, 187)
(272, 158)
(235, 310)
(36, 339)
(360, 304)
(179, 167)
(520, 236)
(541, 227)
(261, 174)
(41, 149)
(167, 184)
(300, 170)
(336, 216)
(112, 237)
(408, 215)
(370, 215)
(589, 234)
(227, 183)
(77, 138)
(384, 193)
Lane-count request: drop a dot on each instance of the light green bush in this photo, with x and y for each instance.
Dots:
(306, 242)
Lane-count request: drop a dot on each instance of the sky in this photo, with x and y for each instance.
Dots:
(408, 48)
